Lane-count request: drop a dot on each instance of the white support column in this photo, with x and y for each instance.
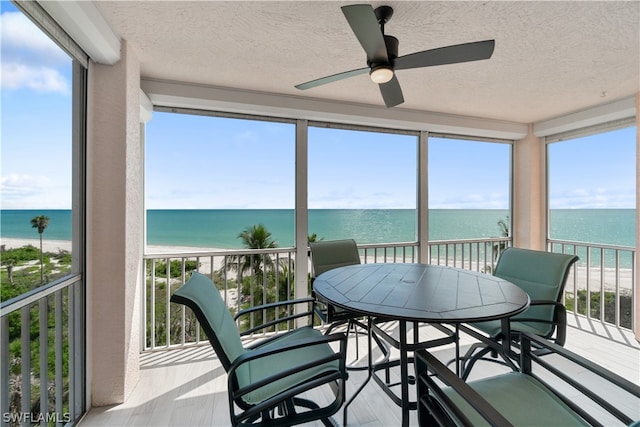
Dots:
(302, 210)
(115, 228)
(529, 193)
(423, 198)
(636, 290)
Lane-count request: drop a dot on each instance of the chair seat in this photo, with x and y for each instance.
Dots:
(261, 368)
(521, 399)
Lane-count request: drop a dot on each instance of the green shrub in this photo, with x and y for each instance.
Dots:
(25, 253)
(175, 268)
(626, 312)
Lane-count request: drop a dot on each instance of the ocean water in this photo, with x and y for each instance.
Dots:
(220, 228)
(17, 224)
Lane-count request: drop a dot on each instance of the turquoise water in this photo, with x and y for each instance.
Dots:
(220, 228)
(17, 224)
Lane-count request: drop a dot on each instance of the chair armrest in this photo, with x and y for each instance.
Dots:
(436, 405)
(278, 304)
(293, 345)
(259, 353)
(559, 319)
(530, 357)
(298, 385)
(553, 391)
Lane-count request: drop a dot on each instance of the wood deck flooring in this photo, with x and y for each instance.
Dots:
(187, 386)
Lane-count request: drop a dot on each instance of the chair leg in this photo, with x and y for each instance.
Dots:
(471, 357)
(353, 325)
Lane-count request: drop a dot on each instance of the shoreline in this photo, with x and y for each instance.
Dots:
(65, 245)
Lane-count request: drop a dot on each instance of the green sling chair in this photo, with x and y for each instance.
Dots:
(540, 274)
(325, 256)
(559, 389)
(265, 380)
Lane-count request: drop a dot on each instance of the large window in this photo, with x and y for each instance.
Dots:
(592, 188)
(208, 179)
(42, 220)
(469, 189)
(37, 152)
(362, 185)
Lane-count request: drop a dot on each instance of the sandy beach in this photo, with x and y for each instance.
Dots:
(47, 245)
(207, 262)
(65, 245)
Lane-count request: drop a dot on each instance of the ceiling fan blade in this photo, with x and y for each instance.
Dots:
(391, 92)
(332, 78)
(364, 24)
(447, 55)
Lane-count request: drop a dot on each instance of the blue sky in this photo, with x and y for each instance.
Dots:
(209, 163)
(35, 114)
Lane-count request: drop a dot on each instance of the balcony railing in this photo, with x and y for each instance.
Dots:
(471, 254)
(42, 359)
(252, 277)
(600, 285)
(244, 277)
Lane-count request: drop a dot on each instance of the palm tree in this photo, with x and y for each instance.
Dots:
(40, 222)
(313, 237)
(504, 232)
(254, 237)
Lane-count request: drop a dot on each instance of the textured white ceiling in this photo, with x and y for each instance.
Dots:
(551, 57)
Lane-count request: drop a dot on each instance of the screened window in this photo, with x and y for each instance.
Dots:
(469, 188)
(37, 152)
(362, 185)
(42, 219)
(209, 178)
(592, 193)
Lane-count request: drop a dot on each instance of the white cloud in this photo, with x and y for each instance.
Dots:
(30, 59)
(30, 192)
(40, 79)
(598, 198)
(18, 32)
(471, 201)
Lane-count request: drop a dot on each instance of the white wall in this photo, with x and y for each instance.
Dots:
(529, 201)
(114, 229)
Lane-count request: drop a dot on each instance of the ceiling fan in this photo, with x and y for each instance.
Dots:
(382, 53)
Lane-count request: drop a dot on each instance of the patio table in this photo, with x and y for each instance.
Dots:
(418, 293)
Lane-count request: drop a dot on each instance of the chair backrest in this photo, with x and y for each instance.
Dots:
(540, 274)
(201, 296)
(330, 254)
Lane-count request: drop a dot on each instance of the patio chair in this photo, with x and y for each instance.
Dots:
(327, 255)
(543, 276)
(266, 380)
(570, 390)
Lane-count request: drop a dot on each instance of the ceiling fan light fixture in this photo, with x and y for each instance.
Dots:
(381, 74)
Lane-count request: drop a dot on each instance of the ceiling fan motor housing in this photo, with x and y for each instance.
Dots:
(392, 53)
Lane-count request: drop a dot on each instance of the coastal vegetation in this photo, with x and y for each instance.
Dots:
(582, 301)
(247, 279)
(22, 274)
(25, 269)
